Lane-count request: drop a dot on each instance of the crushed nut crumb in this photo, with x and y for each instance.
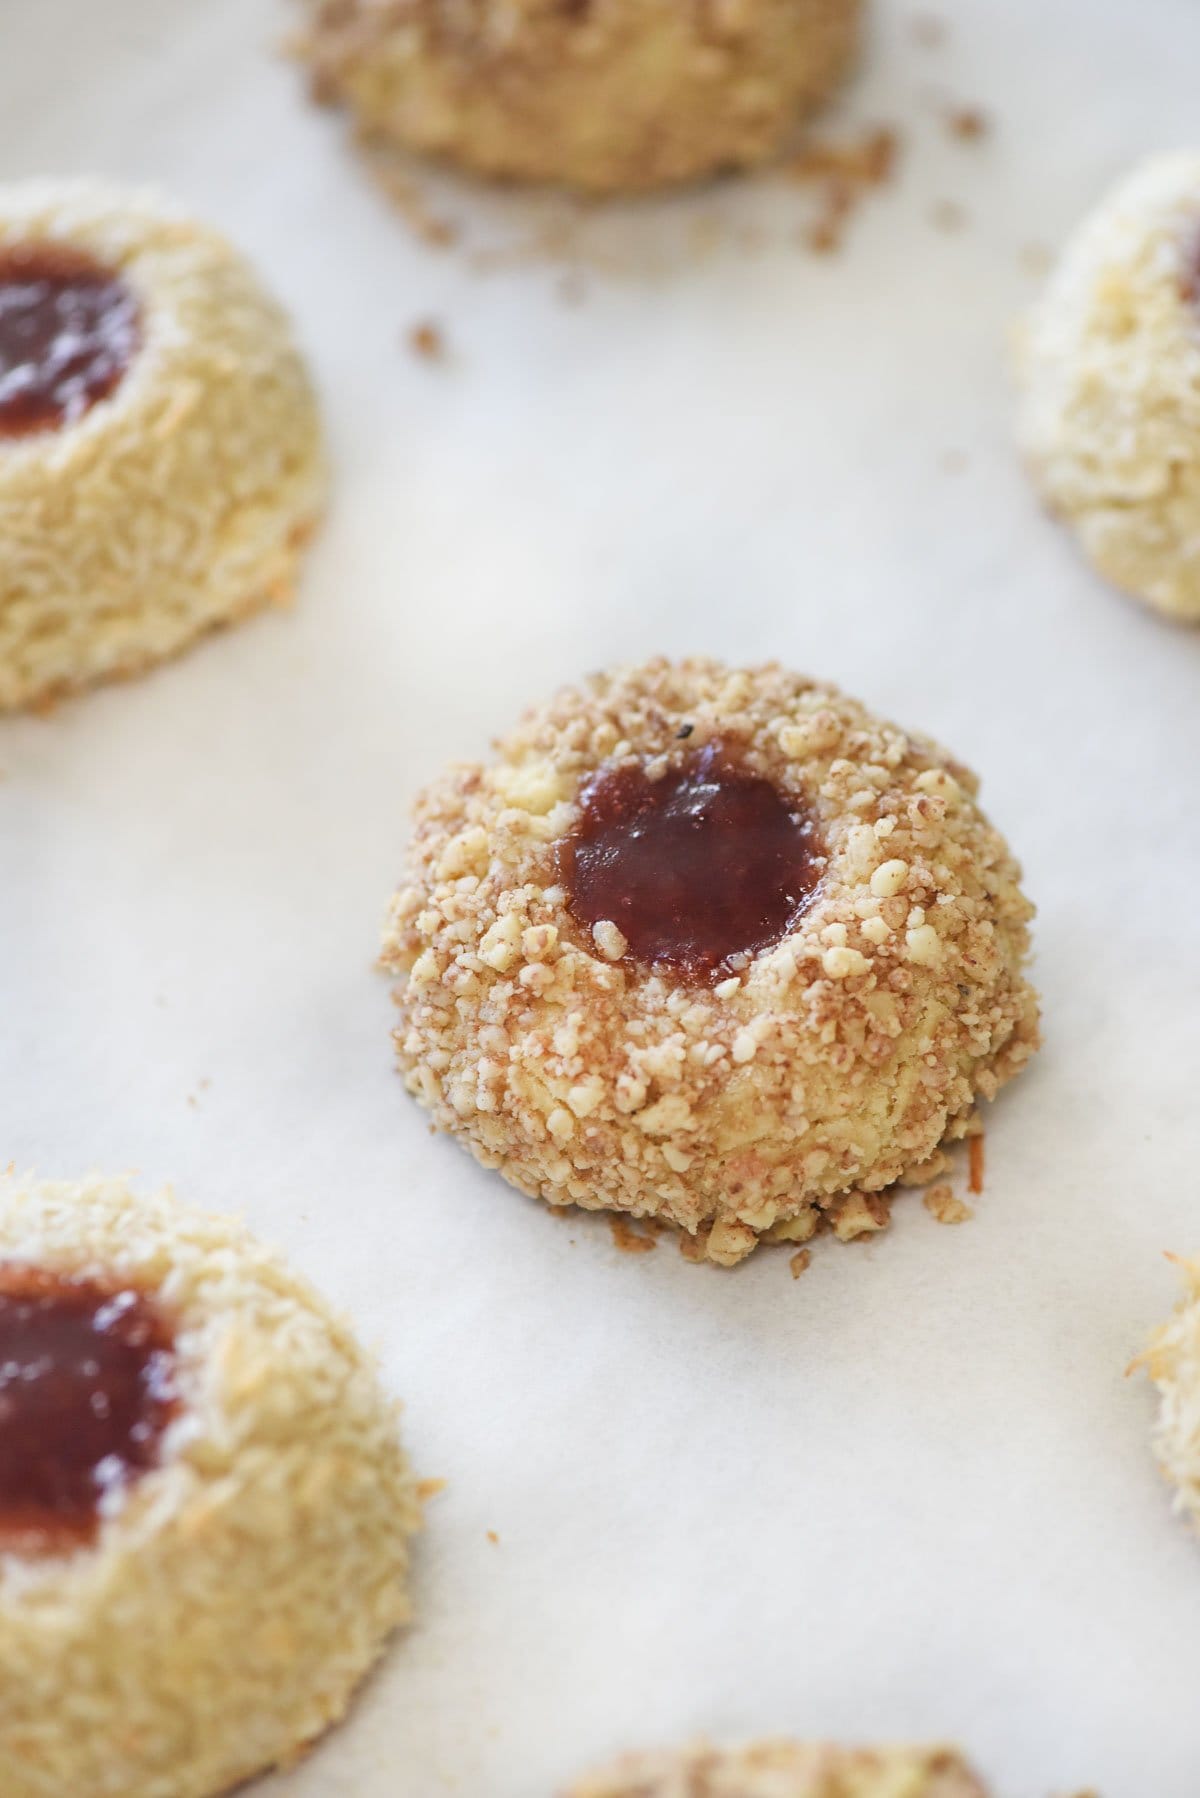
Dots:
(941, 1203)
(627, 1239)
(426, 341)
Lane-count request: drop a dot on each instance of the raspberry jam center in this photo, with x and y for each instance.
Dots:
(68, 332)
(86, 1391)
(707, 863)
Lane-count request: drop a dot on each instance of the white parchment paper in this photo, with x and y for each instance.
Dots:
(911, 1494)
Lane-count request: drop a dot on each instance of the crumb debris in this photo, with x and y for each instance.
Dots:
(969, 124)
(426, 340)
(801, 1260)
(492, 1536)
(627, 1239)
(427, 1489)
(942, 1204)
(929, 30)
(947, 215)
(844, 174)
(571, 288)
(975, 1164)
(867, 162)
(406, 195)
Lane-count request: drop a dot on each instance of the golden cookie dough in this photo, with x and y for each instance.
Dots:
(1110, 366)
(606, 95)
(1173, 1360)
(158, 478)
(209, 1611)
(786, 1770)
(766, 1091)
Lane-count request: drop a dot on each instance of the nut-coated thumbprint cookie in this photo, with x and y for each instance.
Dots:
(709, 945)
(1110, 364)
(605, 95)
(1173, 1361)
(786, 1770)
(204, 1507)
(160, 457)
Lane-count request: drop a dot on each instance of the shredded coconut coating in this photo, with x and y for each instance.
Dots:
(1173, 1361)
(791, 1093)
(596, 94)
(786, 1770)
(1110, 365)
(180, 501)
(238, 1592)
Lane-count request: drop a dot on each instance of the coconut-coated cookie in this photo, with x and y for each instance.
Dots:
(597, 94)
(204, 1506)
(1173, 1361)
(786, 1770)
(710, 945)
(160, 454)
(1110, 367)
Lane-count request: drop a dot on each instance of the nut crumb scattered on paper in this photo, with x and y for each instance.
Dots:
(941, 1203)
(975, 1164)
(492, 1536)
(799, 1261)
(427, 1489)
(425, 339)
(929, 30)
(968, 123)
(845, 173)
(406, 195)
(948, 215)
(629, 1240)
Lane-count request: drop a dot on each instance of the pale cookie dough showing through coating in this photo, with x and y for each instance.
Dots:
(1173, 1362)
(607, 95)
(1110, 367)
(786, 1770)
(235, 1584)
(171, 469)
(760, 1095)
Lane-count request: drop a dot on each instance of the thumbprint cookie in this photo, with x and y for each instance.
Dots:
(160, 459)
(786, 1770)
(607, 95)
(712, 946)
(1110, 367)
(204, 1506)
(1173, 1361)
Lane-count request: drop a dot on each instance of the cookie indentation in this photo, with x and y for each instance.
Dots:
(706, 863)
(68, 331)
(86, 1390)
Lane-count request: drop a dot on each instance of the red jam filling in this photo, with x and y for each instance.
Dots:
(68, 332)
(708, 863)
(86, 1391)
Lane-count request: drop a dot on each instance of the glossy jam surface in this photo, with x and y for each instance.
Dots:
(86, 1391)
(68, 331)
(708, 863)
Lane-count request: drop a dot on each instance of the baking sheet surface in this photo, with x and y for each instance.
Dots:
(911, 1494)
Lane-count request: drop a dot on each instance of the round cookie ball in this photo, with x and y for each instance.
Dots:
(786, 1770)
(1173, 1360)
(160, 455)
(1110, 367)
(713, 946)
(607, 95)
(204, 1507)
